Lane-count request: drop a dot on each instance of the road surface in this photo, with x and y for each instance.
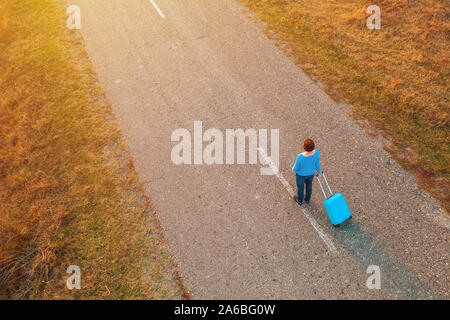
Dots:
(234, 233)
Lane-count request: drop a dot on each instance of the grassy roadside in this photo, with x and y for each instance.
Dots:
(397, 77)
(69, 194)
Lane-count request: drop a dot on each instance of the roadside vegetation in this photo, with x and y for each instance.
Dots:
(396, 78)
(69, 194)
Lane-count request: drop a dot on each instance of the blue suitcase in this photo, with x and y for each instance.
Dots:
(335, 206)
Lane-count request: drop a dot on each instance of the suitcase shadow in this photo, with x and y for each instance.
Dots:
(364, 249)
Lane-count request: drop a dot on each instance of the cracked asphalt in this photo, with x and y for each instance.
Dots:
(236, 234)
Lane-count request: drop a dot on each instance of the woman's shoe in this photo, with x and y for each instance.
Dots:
(295, 199)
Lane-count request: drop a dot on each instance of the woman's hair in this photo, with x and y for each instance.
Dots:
(308, 145)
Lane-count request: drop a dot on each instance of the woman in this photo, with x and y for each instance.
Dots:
(304, 168)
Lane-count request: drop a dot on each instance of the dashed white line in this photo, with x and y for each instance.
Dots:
(291, 192)
(157, 9)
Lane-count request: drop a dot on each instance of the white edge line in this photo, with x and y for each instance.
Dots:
(157, 9)
(291, 192)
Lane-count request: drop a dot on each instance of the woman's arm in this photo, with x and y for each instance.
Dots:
(297, 164)
(318, 163)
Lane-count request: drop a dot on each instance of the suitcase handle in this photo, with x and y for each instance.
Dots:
(328, 186)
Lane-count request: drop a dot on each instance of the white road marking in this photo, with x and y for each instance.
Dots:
(157, 9)
(291, 192)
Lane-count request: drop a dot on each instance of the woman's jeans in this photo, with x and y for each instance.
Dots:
(301, 181)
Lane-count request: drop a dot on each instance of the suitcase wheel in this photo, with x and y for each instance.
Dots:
(337, 226)
(350, 217)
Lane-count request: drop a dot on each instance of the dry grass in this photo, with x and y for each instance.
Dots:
(69, 194)
(396, 77)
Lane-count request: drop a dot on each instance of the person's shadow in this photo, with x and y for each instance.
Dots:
(367, 251)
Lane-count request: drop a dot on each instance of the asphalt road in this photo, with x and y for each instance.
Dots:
(234, 233)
